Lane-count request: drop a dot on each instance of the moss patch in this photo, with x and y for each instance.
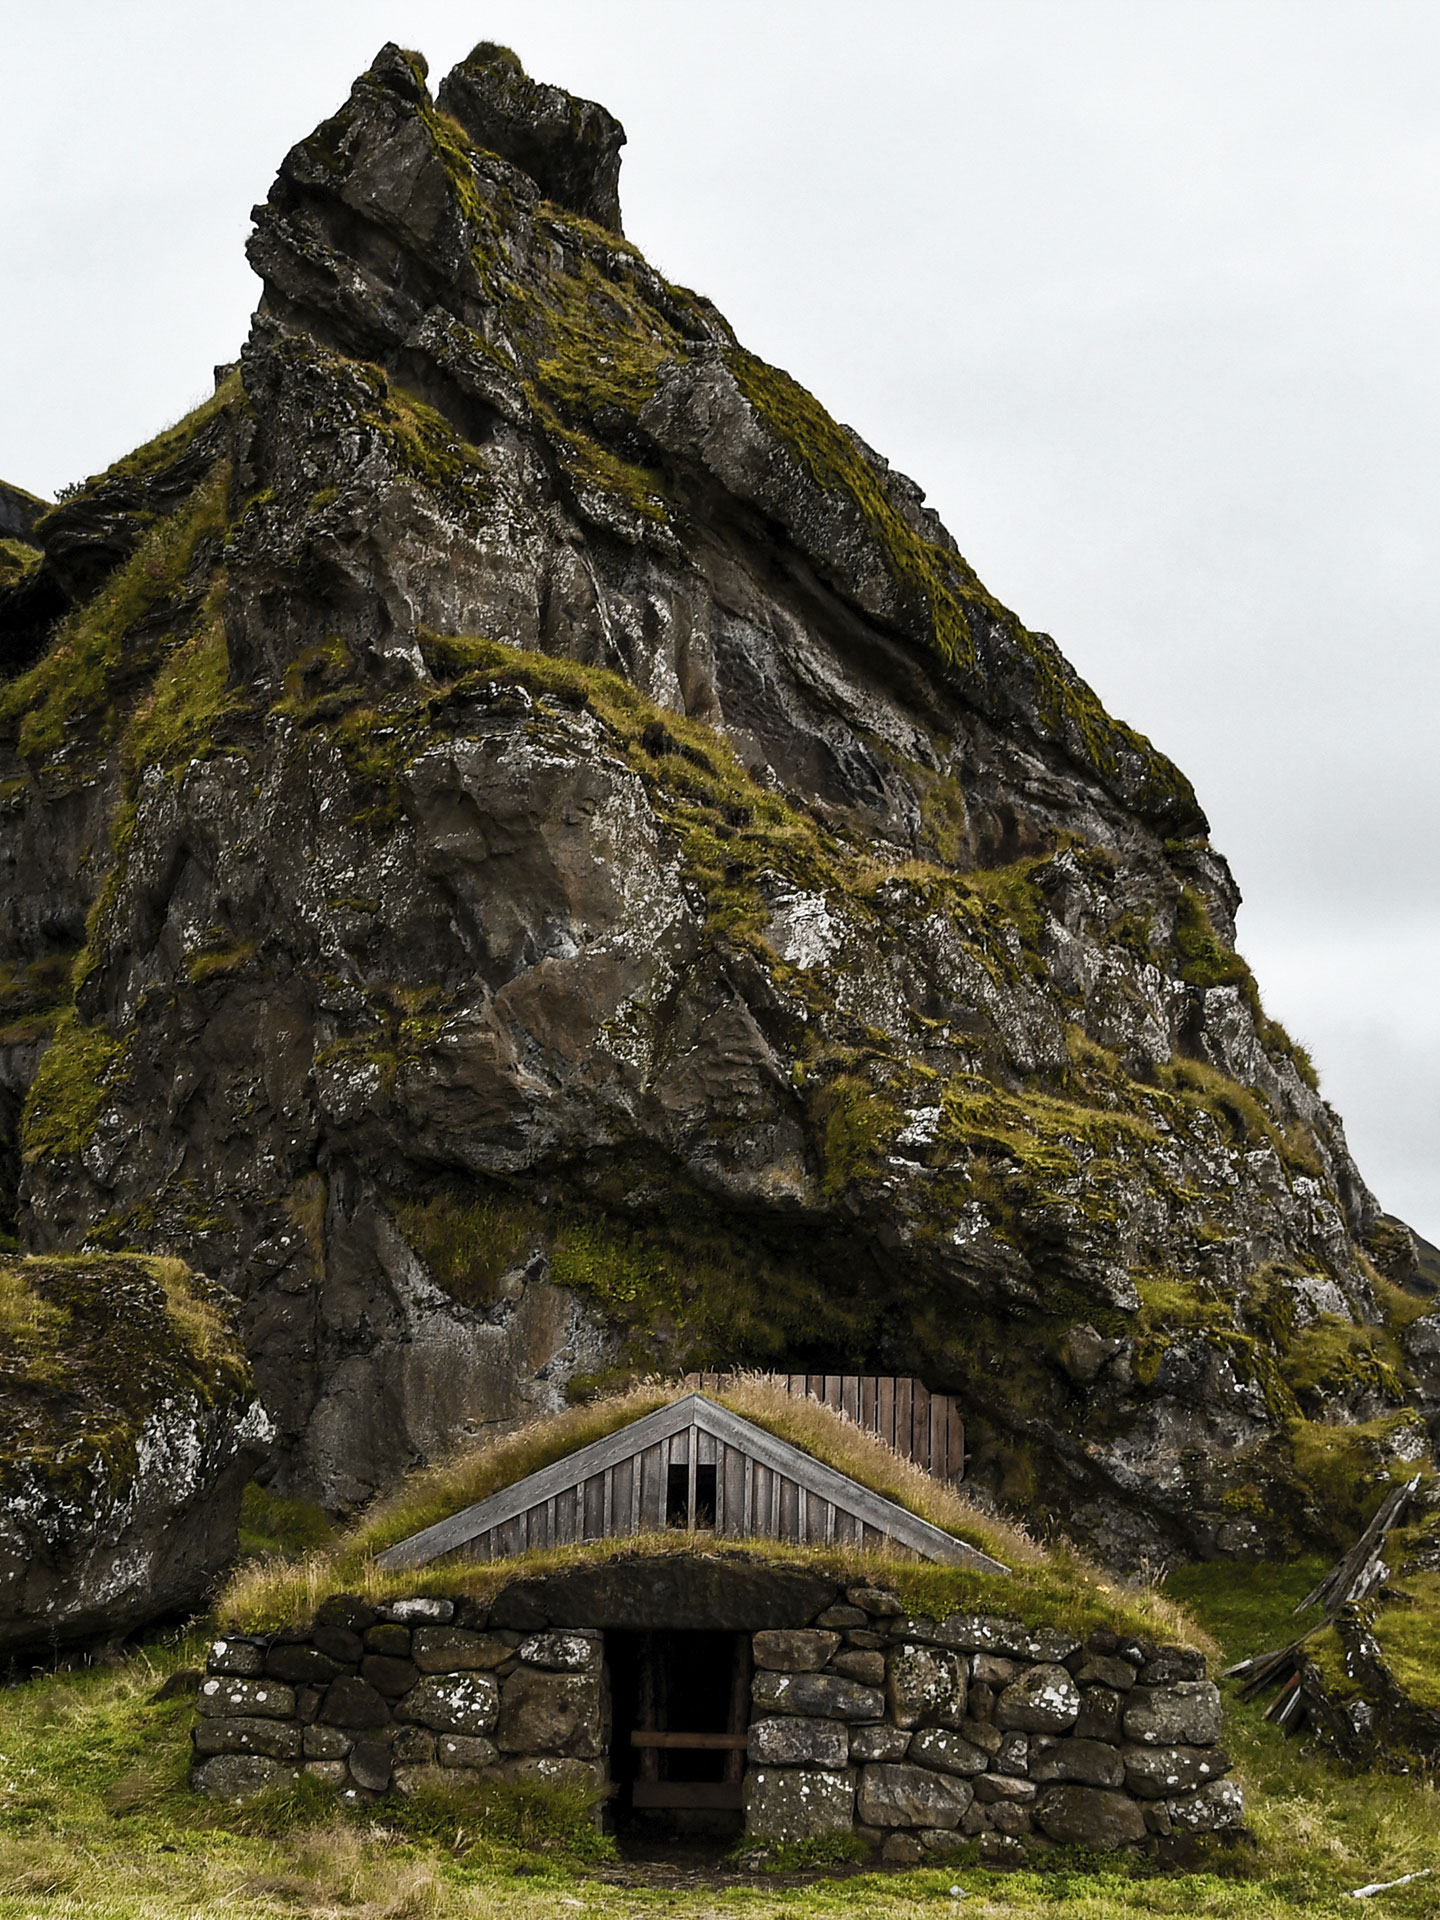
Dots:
(77, 1077)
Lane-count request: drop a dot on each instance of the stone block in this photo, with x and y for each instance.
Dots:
(1104, 1670)
(465, 1750)
(236, 1776)
(563, 1652)
(325, 1743)
(993, 1670)
(352, 1702)
(301, 1665)
(329, 1773)
(940, 1842)
(1217, 1808)
(544, 1713)
(278, 1739)
(791, 1741)
(1156, 1773)
(798, 1650)
(370, 1765)
(982, 1734)
(837, 1619)
(992, 1788)
(450, 1703)
(925, 1685)
(992, 1633)
(1157, 1818)
(976, 1820)
(948, 1752)
(244, 1658)
(876, 1601)
(882, 1742)
(307, 1704)
(1090, 1763)
(908, 1796)
(980, 1704)
(825, 1696)
(798, 1803)
(1172, 1664)
(1043, 1700)
(454, 1650)
(424, 1610)
(247, 1699)
(1008, 1816)
(1101, 1709)
(1089, 1817)
(388, 1637)
(902, 1849)
(1185, 1715)
(855, 1664)
(390, 1676)
(913, 1626)
(345, 1610)
(342, 1646)
(414, 1746)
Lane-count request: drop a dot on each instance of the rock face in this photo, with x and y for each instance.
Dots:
(532, 856)
(128, 1427)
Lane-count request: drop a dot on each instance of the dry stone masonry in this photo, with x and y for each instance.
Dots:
(922, 1734)
(368, 1699)
(919, 1735)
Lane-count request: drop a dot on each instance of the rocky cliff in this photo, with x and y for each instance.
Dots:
(529, 856)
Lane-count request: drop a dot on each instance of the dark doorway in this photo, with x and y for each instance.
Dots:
(681, 1703)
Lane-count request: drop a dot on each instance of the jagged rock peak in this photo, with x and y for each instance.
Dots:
(569, 147)
(18, 512)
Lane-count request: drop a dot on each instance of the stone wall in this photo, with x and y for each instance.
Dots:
(369, 1698)
(923, 1734)
(917, 1734)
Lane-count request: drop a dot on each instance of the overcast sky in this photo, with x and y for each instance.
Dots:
(1143, 292)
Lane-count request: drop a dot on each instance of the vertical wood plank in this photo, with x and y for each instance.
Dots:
(834, 1387)
(705, 1450)
(885, 1406)
(850, 1397)
(904, 1408)
(747, 1499)
(787, 1517)
(694, 1463)
(920, 1424)
(866, 1415)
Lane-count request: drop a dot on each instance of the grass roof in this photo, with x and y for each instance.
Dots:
(1047, 1585)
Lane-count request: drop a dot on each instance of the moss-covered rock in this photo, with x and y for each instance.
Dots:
(560, 869)
(128, 1426)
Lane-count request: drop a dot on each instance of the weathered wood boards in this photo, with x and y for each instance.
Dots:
(925, 1427)
(763, 1487)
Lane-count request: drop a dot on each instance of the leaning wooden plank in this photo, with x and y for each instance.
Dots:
(1345, 1580)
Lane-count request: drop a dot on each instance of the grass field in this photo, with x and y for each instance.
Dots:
(96, 1821)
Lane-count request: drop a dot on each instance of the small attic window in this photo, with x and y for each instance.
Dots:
(677, 1497)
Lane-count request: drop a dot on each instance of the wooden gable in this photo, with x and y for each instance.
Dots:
(737, 1480)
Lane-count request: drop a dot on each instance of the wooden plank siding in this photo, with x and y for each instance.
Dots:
(925, 1427)
(764, 1487)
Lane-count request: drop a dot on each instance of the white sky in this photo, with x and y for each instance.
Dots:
(1143, 292)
